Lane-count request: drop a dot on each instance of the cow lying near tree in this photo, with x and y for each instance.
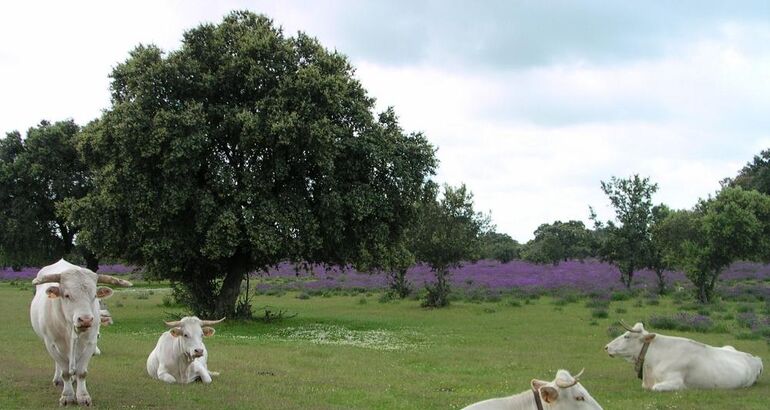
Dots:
(563, 393)
(65, 314)
(666, 363)
(180, 356)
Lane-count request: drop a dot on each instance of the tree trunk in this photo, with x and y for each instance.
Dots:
(661, 281)
(228, 295)
(92, 261)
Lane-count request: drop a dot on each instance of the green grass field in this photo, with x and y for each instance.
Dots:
(352, 352)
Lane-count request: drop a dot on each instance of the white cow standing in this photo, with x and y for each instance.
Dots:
(65, 314)
(675, 363)
(180, 356)
(563, 393)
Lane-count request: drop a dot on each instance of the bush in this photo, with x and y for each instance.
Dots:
(599, 313)
(614, 331)
(683, 321)
(303, 296)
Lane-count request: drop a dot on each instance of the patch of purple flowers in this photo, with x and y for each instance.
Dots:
(682, 321)
(30, 272)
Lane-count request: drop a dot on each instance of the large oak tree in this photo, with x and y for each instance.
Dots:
(241, 149)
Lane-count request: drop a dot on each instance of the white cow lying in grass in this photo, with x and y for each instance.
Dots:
(563, 393)
(180, 356)
(667, 363)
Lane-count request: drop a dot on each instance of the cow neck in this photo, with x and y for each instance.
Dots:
(538, 403)
(639, 364)
(178, 340)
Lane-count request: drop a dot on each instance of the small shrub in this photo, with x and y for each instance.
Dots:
(620, 310)
(682, 321)
(515, 303)
(303, 296)
(599, 314)
(142, 295)
(119, 304)
(386, 297)
(598, 303)
(362, 300)
(618, 296)
(167, 301)
(744, 308)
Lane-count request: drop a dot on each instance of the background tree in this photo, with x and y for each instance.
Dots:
(627, 243)
(447, 233)
(499, 246)
(735, 225)
(658, 262)
(37, 175)
(755, 175)
(559, 241)
(242, 149)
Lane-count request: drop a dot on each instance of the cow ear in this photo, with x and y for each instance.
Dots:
(175, 331)
(103, 293)
(648, 337)
(537, 384)
(208, 331)
(549, 394)
(53, 292)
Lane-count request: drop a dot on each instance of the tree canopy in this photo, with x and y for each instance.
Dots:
(447, 232)
(627, 243)
(37, 175)
(558, 242)
(755, 174)
(242, 149)
(735, 225)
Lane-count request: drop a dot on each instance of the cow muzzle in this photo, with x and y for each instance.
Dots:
(197, 353)
(84, 323)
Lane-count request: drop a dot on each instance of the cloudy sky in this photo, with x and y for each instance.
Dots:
(530, 103)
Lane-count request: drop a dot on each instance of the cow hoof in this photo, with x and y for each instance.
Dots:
(58, 382)
(67, 400)
(84, 401)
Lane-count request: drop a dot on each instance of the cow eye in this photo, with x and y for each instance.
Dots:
(185, 335)
(580, 398)
(66, 295)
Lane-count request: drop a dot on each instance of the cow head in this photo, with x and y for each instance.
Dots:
(565, 393)
(189, 331)
(629, 344)
(77, 291)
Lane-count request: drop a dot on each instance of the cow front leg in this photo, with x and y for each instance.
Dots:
(57, 380)
(68, 393)
(84, 399)
(671, 384)
(164, 375)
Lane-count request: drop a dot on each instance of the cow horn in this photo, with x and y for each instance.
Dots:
(111, 280)
(211, 322)
(174, 323)
(50, 278)
(627, 327)
(577, 376)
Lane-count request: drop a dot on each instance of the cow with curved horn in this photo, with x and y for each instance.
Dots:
(180, 356)
(65, 313)
(666, 363)
(563, 393)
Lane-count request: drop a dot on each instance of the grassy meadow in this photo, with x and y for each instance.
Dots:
(358, 351)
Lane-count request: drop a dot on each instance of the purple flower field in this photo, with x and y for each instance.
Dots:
(589, 277)
(29, 272)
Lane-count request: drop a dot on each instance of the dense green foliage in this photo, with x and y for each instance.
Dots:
(755, 175)
(735, 225)
(499, 246)
(627, 243)
(559, 241)
(242, 149)
(447, 232)
(37, 175)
